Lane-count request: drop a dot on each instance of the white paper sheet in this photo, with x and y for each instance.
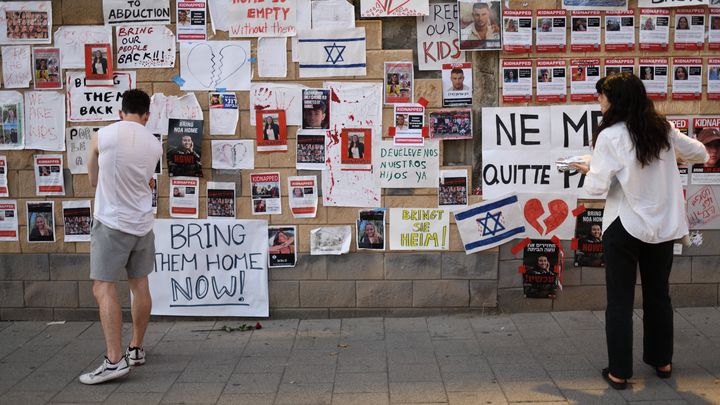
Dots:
(163, 107)
(77, 220)
(212, 65)
(71, 40)
(16, 67)
(277, 96)
(45, 112)
(233, 154)
(333, 14)
(330, 240)
(272, 57)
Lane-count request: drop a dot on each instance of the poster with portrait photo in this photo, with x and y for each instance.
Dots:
(398, 82)
(356, 148)
(707, 130)
(46, 68)
(585, 31)
(588, 239)
(25, 22)
(654, 75)
(542, 261)
(270, 131)
(682, 124)
(551, 86)
(551, 35)
(315, 109)
(191, 21)
(654, 29)
(620, 31)
(49, 175)
(480, 25)
(223, 113)
(689, 29)
(713, 35)
(40, 221)
(310, 153)
(619, 65)
(370, 227)
(457, 84)
(713, 79)
(687, 78)
(77, 220)
(154, 193)
(517, 31)
(303, 196)
(453, 190)
(282, 246)
(584, 73)
(4, 192)
(409, 121)
(8, 221)
(184, 197)
(184, 147)
(265, 193)
(220, 199)
(517, 80)
(451, 123)
(11, 111)
(98, 65)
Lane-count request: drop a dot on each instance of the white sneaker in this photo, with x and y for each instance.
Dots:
(135, 356)
(106, 371)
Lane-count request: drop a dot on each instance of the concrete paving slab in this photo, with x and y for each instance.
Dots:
(360, 382)
(360, 399)
(193, 393)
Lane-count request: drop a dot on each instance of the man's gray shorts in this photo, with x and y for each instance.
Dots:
(112, 251)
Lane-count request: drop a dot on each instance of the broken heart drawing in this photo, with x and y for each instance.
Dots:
(211, 65)
(548, 215)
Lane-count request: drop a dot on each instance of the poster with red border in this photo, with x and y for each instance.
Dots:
(689, 29)
(517, 31)
(585, 31)
(551, 33)
(271, 131)
(713, 79)
(620, 31)
(654, 29)
(517, 80)
(687, 78)
(714, 28)
(618, 65)
(551, 84)
(356, 152)
(584, 73)
(654, 75)
(98, 65)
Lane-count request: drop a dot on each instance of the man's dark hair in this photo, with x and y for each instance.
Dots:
(481, 5)
(135, 101)
(457, 70)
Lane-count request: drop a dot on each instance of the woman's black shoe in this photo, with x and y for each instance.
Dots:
(663, 374)
(615, 385)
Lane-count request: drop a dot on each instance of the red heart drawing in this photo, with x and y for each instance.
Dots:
(534, 209)
(390, 8)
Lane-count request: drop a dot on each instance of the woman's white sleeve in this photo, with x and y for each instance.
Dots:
(604, 165)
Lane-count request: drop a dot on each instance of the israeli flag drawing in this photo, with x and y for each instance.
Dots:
(332, 52)
(490, 223)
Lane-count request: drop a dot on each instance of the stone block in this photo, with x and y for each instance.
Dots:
(284, 294)
(441, 293)
(508, 275)
(339, 313)
(694, 295)
(412, 266)
(158, 75)
(375, 60)
(681, 270)
(82, 12)
(26, 314)
(10, 247)
(483, 293)
(355, 266)
(82, 186)
(571, 275)
(307, 268)
(384, 294)
(592, 275)
(481, 266)
(299, 313)
(26, 179)
(431, 90)
(24, 267)
(51, 294)
(76, 314)
(324, 294)
(412, 312)
(506, 253)
(69, 266)
(513, 300)
(705, 269)
(11, 294)
(20, 160)
(580, 298)
(373, 33)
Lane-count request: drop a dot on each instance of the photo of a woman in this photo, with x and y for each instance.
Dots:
(99, 63)
(281, 243)
(271, 130)
(370, 238)
(682, 24)
(681, 73)
(41, 230)
(356, 149)
(634, 162)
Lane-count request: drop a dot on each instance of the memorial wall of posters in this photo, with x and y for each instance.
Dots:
(329, 143)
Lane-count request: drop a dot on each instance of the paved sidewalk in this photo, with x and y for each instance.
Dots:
(543, 357)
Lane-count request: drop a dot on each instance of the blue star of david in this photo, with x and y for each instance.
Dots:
(486, 225)
(334, 53)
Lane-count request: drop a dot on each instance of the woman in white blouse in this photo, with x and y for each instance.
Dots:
(634, 161)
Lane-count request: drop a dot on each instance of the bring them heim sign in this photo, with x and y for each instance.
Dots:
(210, 267)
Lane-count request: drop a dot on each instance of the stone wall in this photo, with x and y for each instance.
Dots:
(50, 280)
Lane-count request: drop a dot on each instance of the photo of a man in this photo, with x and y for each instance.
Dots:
(480, 25)
(457, 84)
(316, 109)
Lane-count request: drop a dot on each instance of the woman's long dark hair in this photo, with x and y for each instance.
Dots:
(649, 130)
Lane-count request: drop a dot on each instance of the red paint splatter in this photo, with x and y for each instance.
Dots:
(351, 117)
(333, 96)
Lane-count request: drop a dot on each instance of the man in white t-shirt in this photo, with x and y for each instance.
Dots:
(121, 164)
(483, 27)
